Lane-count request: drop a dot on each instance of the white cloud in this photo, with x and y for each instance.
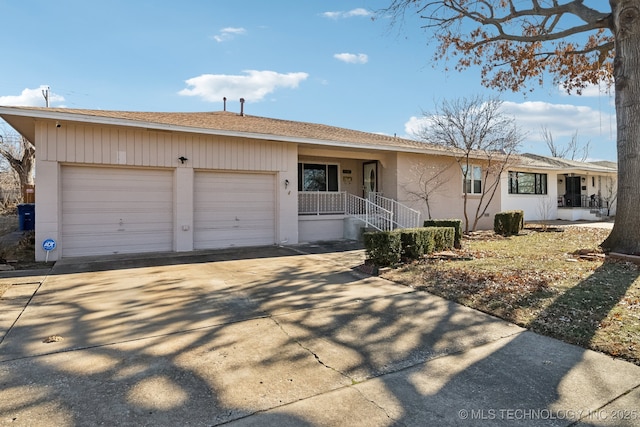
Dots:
(348, 14)
(253, 86)
(352, 58)
(415, 125)
(30, 98)
(562, 120)
(228, 34)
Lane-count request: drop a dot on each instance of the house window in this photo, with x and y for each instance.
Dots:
(527, 183)
(317, 177)
(472, 179)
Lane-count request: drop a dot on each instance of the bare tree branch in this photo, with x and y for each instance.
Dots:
(572, 151)
(477, 133)
(20, 155)
(522, 37)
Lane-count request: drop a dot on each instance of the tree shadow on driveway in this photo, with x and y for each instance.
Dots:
(290, 340)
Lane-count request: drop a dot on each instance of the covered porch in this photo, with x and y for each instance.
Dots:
(585, 196)
(339, 196)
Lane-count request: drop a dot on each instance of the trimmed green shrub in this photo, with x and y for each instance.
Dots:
(416, 242)
(508, 223)
(383, 248)
(443, 238)
(455, 223)
(386, 248)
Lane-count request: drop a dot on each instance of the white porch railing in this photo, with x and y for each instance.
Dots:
(321, 202)
(371, 214)
(377, 212)
(403, 216)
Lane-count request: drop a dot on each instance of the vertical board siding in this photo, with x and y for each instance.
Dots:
(79, 147)
(106, 145)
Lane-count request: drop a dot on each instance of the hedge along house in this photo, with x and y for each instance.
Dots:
(549, 188)
(113, 182)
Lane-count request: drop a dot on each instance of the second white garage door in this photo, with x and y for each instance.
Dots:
(233, 209)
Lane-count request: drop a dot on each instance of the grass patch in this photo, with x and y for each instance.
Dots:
(554, 283)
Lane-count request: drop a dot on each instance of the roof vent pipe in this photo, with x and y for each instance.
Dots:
(242, 106)
(224, 103)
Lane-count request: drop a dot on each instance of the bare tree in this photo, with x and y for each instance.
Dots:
(545, 209)
(20, 155)
(573, 150)
(426, 182)
(482, 140)
(516, 42)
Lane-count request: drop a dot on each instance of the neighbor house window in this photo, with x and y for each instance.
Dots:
(317, 177)
(472, 179)
(527, 183)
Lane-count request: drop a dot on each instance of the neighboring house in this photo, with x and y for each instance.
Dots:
(114, 182)
(552, 188)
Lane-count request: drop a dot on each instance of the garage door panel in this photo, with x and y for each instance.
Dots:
(116, 210)
(112, 217)
(140, 237)
(228, 224)
(130, 243)
(233, 209)
(107, 198)
(115, 230)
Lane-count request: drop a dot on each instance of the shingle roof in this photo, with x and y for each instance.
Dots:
(606, 163)
(232, 122)
(539, 161)
(263, 127)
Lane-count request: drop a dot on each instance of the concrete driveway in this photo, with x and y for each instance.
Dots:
(281, 336)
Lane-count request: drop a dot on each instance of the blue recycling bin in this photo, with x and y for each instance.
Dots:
(27, 216)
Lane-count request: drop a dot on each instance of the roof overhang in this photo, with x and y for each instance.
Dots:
(24, 121)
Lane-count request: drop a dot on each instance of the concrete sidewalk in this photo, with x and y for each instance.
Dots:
(272, 336)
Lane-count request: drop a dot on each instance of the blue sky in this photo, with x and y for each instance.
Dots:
(320, 61)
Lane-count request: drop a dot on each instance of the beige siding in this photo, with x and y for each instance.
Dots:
(87, 144)
(446, 198)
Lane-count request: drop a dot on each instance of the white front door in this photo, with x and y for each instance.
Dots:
(370, 178)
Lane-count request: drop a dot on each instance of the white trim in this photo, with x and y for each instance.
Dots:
(472, 166)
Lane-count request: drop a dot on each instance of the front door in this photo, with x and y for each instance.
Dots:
(573, 194)
(369, 178)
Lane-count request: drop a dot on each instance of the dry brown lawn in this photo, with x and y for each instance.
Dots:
(555, 283)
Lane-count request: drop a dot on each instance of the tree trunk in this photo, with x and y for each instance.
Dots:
(24, 166)
(625, 236)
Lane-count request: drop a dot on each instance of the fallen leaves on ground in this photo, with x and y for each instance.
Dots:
(527, 279)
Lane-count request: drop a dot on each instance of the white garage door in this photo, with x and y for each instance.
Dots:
(116, 210)
(233, 209)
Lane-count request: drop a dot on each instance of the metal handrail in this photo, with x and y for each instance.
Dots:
(372, 215)
(404, 216)
(376, 211)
